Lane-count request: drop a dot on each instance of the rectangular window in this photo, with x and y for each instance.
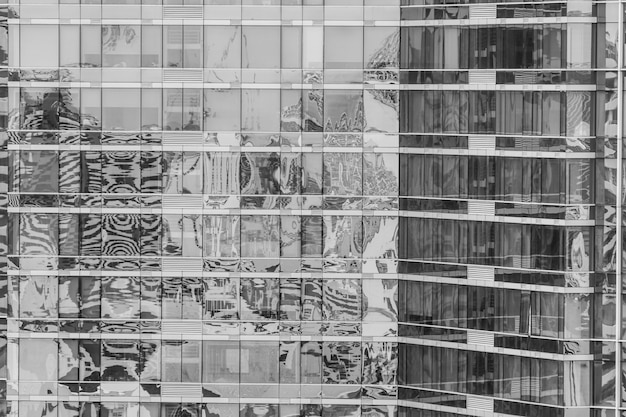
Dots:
(39, 46)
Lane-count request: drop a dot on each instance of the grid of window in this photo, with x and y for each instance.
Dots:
(203, 209)
(508, 187)
(312, 208)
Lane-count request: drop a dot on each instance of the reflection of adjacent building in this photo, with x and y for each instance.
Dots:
(269, 248)
(342, 300)
(221, 297)
(120, 361)
(259, 297)
(182, 109)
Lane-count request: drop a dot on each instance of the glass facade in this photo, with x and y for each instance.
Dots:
(274, 208)
(510, 204)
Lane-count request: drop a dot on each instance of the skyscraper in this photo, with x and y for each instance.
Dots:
(329, 208)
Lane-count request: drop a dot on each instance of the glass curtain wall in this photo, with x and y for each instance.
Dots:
(200, 210)
(311, 208)
(509, 208)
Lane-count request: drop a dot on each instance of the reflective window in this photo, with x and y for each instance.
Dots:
(121, 46)
(39, 46)
(121, 109)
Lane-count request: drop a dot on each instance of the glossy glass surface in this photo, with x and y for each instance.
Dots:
(310, 208)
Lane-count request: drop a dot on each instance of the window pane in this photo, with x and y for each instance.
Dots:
(90, 108)
(191, 353)
(551, 114)
(260, 110)
(151, 109)
(579, 49)
(342, 300)
(192, 46)
(150, 297)
(259, 362)
(173, 46)
(342, 362)
(192, 109)
(221, 236)
(343, 47)
(38, 296)
(120, 297)
(260, 173)
(173, 108)
(259, 298)
(39, 46)
(121, 109)
(260, 47)
(40, 109)
(291, 47)
(260, 236)
(580, 181)
(121, 45)
(38, 234)
(221, 298)
(151, 50)
(70, 45)
(221, 173)
(222, 46)
(90, 45)
(120, 360)
(220, 361)
(343, 111)
(222, 109)
(39, 172)
(41, 359)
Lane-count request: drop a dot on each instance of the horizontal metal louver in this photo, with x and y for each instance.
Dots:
(182, 138)
(479, 403)
(178, 327)
(482, 77)
(516, 262)
(523, 12)
(481, 142)
(179, 75)
(480, 272)
(480, 338)
(525, 77)
(516, 388)
(177, 202)
(483, 11)
(193, 36)
(524, 143)
(182, 12)
(176, 264)
(181, 390)
(482, 208)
